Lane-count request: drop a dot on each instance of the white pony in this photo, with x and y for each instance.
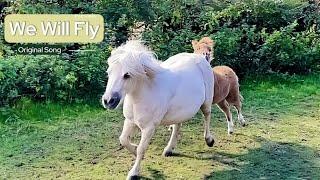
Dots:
(155, 93)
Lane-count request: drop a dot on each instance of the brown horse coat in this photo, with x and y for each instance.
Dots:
(226, 85)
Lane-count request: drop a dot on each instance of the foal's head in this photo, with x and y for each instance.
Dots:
(204, 46)
(128, 66)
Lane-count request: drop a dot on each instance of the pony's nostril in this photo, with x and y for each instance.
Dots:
(111, 101)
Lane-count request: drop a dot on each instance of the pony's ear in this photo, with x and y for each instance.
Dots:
(194, 44)
(149, 66)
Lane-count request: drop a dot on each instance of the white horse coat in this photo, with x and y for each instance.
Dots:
(157, 93)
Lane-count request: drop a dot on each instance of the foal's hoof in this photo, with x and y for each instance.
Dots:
(167, 153)
(210, 141)
(230, 132)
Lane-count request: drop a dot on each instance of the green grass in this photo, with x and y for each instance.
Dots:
(50, 140)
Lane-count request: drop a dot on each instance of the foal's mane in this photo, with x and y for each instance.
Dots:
(136, 58)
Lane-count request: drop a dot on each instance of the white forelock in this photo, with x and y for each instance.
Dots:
(135, 58)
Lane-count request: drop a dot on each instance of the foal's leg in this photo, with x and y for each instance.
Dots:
(238, 106)
(128, 128)
(173, 140)
(234, 98)
(224, 106)
(146, 135)
(206, 110)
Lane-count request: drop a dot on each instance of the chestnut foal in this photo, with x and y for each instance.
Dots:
(226, 85)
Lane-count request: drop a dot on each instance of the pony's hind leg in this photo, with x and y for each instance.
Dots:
(238, 106)
(224, 106)
(206, 110)
(127, 131)
(173, 140)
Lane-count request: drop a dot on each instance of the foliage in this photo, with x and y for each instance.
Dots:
(51, 77)
(285, 52)
(252, 36)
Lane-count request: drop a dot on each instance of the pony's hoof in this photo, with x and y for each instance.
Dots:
(243, 124)
(133, 178)
(167, 153)
(210, 141)
(230, 132)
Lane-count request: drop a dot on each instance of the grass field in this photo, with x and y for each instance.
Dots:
(282, 140)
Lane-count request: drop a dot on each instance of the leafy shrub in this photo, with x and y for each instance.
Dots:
(52, 77)
(252, 36)
(292, 52)
(8, 80)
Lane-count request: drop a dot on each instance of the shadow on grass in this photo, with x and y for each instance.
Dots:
(155, 174)
(273, 160)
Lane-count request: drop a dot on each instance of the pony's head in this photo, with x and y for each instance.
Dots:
(128, 66)
(205, 47)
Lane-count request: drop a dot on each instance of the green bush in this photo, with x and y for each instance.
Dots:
(252, 36)
(53, 77)
(8, 80)
(292, 52)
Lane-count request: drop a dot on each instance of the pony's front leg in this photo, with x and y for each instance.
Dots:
(173, 140)
(206, 110)
(127, 131)
(146, 135)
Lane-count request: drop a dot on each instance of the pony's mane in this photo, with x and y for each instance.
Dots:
(136, 58)
(208, 41)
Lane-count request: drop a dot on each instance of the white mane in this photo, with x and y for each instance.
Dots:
(136, 58)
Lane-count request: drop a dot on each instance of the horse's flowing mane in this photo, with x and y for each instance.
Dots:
(136, 58)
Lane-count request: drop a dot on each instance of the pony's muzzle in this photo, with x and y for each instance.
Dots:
(113, 101)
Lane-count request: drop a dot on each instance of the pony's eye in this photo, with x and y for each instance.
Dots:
(126, 76)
